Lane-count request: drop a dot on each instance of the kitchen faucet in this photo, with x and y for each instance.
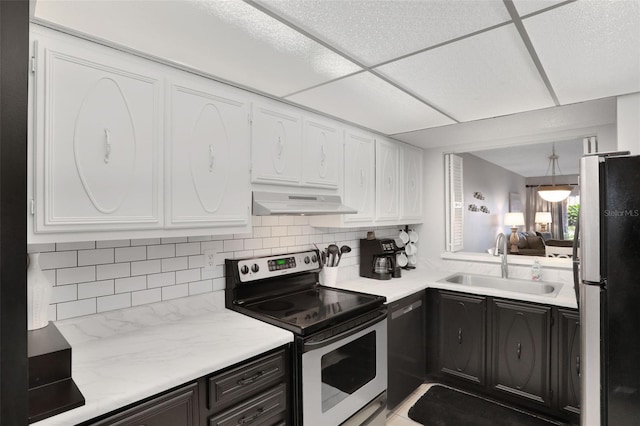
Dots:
(504, 265)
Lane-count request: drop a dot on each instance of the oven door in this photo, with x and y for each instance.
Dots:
(344, 373)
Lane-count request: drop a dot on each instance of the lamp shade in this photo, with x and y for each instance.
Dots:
(514, 219)
(543, 217)
(554, 193)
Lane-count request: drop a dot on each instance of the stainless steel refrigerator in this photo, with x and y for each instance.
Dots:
(609, 289)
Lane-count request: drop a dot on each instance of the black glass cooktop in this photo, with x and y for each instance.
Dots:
(308, 310)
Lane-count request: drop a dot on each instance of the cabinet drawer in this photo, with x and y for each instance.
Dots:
(177, 408)
(268, 408)
(234, 385)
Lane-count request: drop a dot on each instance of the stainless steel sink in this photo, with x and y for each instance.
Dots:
(540, 288)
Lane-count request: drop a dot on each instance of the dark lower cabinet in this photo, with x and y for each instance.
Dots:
(176, 408)
(521, 356)
(525, 354)
(569, 361)
(462, 340)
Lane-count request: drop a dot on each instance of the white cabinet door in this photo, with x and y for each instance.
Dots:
(322, 154)
(97, 139)
(276, 145)
(387, 181)
(207, 156)
(359, 176)
(411, 187)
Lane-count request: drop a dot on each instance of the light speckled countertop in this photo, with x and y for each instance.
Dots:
(418, 279)
(124, 356)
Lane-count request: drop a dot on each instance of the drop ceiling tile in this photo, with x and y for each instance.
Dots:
(228, 39)
(525, 7)
(369, 101)
(376, 31)
(589, 49)
(487, 75)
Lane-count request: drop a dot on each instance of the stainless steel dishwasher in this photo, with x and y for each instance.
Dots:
(406, 347)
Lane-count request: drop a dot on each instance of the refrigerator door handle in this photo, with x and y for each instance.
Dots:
(590, 218)
(576, 262)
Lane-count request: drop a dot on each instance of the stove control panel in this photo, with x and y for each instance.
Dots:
(258, 268)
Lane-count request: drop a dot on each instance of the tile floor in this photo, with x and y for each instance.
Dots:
(400, 416)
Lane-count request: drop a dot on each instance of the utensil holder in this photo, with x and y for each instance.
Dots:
(329, 275)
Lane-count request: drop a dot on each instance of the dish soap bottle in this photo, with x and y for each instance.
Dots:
(536, 271)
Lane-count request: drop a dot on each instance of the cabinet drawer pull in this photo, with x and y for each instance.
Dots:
(578, 365)
(212, 157)
(460, 336)
(244, 420)
(107, 145)
(519, 350)
(280, 147)
(257, 376)
(323, 154)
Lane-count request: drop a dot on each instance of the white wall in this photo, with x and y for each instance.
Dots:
(629, 123)
(495, 183)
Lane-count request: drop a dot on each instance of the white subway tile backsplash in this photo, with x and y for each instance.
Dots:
(146, 267)
(95, 257)
(95, 289)
(111, 303)
(233, 245)
(75, 275)
(77, 308)
(98, 276)
(187, 249)
(56, 260)
(145, 242)
(146, 296)
(81, 245)
(175, 264)
(130, 254)
(113, 243)
(188, 275)
(161, 251)
(115, 270)
(200, 287)
(127, 285)
(161, 280)
(64, 293)
(175, 291)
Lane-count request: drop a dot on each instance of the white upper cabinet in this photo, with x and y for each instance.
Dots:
(411, 184)
(207, 155)
(387, 181)
(97, 138)
(276, 145)
(322, 154)
(359, 176)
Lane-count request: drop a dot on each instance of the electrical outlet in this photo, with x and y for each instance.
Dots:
(209, 260)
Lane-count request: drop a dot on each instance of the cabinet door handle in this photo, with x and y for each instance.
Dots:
(258, 375)
(578, 365)
(107, 145)
(460, 336)
(323, 154)
(212, 157)
(361, 177)
(519, 350)
(390, 180)
(244, 420)
(280, 147)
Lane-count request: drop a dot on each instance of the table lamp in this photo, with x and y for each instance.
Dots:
(514, 219)
(543, 218)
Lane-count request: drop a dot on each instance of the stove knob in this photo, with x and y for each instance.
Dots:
(314, 258)
(244, 269)
(307, 260)
(255, 267)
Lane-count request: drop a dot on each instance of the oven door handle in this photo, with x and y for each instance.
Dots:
(308, 346)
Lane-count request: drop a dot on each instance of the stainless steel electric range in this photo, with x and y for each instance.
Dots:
(340, 345)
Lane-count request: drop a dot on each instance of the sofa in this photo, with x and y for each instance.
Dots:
(535, 243)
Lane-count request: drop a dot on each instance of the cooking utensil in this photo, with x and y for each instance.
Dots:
(323, 258)
(333, 252)
(343, 249)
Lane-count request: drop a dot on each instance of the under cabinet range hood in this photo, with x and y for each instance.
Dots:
(277, 203)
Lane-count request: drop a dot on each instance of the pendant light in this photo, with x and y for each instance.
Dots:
(554, 193)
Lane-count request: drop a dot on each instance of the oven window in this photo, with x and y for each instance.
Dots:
(347, 369)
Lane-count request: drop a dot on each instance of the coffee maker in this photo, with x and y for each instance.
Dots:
(378, 259)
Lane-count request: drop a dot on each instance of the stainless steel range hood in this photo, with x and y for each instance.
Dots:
(276, 203)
